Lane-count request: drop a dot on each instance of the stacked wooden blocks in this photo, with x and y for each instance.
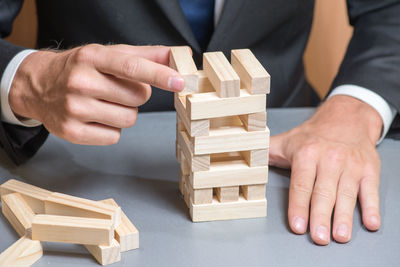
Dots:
(41, 215)
(222, 139)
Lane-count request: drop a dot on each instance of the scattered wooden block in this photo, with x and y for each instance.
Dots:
(181, 60)
(228, 210)
(106, 254)
(76, 230)
(228, 139)
(200, 196)
(221, 74)
(252, 74)
(196, 162)
(24, 252)
(209, 105)
(227, 194)
(126, 233)
(254, 192)
(229, 173)
(17, 212)
(66, 205)
(255, 158)
(255, 121)
(33, 195)
(194, 128)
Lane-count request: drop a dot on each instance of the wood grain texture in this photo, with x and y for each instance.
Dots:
(254, 192)
(106, 254)
(33, 195)
(255, 158)
(205, 85)
(24, 252)
(209, 105)
(126, 233)
(221, 74)
(200, 196)
(196, 163)
(254, 121)
(253, 76)
(193, 127)
(229, 210)
(227, 193)
(66, 205)
(17, 212)
(181, 60)
(76, 230)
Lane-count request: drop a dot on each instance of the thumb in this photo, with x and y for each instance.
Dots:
(277, 156)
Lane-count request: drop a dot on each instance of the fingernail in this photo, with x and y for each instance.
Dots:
(374, 220)
(342, 231)
(176, 83)
(299, 224)
(322, 233)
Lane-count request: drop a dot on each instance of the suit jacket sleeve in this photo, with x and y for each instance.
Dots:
(372, 59)
(20, 143)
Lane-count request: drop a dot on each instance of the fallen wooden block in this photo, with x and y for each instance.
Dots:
(181, 60)
(17, 212)
(252, 74)
(22, 253)
(66, 205)
(106, 254)
(126, 233)
(76, 230)
(221, 74)
(33, 195)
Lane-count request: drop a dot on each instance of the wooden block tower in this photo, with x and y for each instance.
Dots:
(222, 138)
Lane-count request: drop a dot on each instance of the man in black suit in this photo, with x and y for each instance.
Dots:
(87, 93)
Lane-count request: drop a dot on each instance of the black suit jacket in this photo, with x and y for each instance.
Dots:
(276, 31)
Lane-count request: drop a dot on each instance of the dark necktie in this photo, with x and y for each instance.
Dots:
(200, 15)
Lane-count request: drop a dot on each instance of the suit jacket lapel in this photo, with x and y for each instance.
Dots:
(173, 11)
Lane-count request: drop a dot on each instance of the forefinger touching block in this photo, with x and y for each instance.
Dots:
(181, 60)
(22, 253)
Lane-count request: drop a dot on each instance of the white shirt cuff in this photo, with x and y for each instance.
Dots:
(7, 115)
(385, 110)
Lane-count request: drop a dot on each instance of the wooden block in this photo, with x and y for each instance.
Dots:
(66, 205)
(229, 173)
(221, 74)
(181, 60)
(254, 192)
(186, 194)
(76, 230)
(17, 212)
(227, 139)
(185, 168)
(106, 254)
(196, 163)
(200, 196)
(205, 85)
(181, 183)
(254, 121)
(227, 194)
(228, 210)
(209, 105)
(252, 74)
(33, 195)
(24, 252)
(126, 233)
(193, 127)
(256, 158)
(225, 121)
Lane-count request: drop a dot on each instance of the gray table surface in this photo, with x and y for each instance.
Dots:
(141, 174)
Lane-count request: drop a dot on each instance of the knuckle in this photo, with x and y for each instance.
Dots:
(144, 94)
(347, 192)
(130, 66)
(75, 81)
(301, 187)
(336, 155)
(130, 119)
(70, 132)
(323, 193)
(87, 53)
(113, 138)
(308, 150)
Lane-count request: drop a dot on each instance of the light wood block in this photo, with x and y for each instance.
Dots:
(126, 233)
(229, 173)
(228, 210)
(106, 254)
(200, 196)
(196, 163)
(186, 194)
(254, 192)
(76, 230)
(227, 194)
(221, 74)
(255, 158)
(24, 252)
(252, 74)
(210, 105)
(193, 127)
(33, 195)
(227, 139)
(255, 121)
(181, 182)
(205, 85)
(17, 212)
(66, 205)
(181, 60)
(225, 122)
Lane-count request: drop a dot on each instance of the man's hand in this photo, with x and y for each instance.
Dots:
(88, 94)
(333, 160)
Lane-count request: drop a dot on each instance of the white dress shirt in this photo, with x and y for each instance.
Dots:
(385, 110)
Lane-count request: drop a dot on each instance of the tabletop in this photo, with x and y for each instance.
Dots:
(141, 174)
